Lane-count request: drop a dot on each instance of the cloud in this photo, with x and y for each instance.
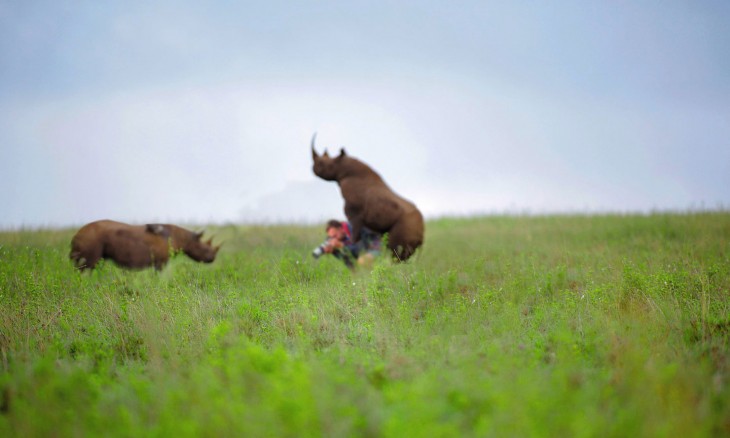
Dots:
(180, 112)
(195, 153)
(300, 202)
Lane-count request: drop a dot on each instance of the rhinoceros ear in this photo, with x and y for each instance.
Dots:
(158, 229)
(198, 235)
(342, 153)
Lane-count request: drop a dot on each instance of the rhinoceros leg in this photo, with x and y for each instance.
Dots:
(404, 238)
(83, 256)
(89, 259)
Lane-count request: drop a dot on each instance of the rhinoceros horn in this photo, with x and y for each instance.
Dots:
(314, 152)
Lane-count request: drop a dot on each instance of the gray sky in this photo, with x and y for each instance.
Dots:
(203, 111)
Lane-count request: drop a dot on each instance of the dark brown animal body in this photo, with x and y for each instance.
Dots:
(136, 246)
(369, 202)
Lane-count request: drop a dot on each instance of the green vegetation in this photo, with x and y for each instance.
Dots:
(500, 326)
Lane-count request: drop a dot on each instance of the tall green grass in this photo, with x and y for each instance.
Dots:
(500, 326)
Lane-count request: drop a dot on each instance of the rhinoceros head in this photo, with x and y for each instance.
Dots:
(326, 167)
(186, 241)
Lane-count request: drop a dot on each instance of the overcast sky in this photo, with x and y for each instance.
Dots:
(203, 111)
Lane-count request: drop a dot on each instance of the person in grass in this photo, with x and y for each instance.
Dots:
(339, 243)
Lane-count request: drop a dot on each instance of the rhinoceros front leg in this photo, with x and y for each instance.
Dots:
(356, 222)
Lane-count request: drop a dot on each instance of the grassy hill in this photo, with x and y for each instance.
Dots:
(500, 326)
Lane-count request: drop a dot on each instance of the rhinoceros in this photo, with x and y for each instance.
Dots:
(137, 246)
(369, 202)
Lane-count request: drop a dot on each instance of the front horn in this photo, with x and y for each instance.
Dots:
(314, 153)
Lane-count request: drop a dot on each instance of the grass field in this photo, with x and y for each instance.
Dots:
(612, 325)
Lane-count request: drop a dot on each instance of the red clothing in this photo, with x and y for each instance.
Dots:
(348, 233)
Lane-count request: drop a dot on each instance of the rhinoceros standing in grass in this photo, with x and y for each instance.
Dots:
(369, 202)
(137, 246)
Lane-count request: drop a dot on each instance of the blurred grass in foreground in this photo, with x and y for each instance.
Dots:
(500, 326)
